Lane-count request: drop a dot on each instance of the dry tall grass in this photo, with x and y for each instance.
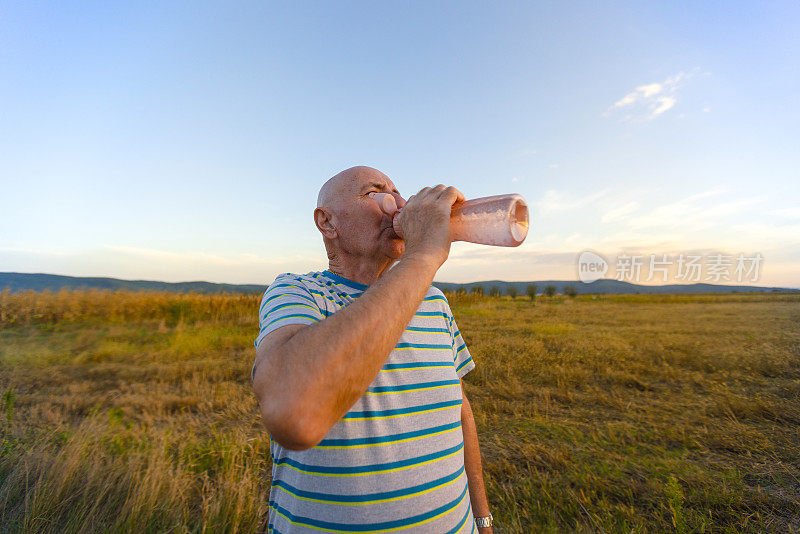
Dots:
(133, 412)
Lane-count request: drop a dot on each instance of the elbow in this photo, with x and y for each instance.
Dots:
(292, 429)
(295, 438)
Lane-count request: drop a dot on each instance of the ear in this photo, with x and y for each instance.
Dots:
(323, 221)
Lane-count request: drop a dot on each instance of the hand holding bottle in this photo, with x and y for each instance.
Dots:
(500, 220)
(424, 221)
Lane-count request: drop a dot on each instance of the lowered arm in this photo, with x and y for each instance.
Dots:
(472, 462)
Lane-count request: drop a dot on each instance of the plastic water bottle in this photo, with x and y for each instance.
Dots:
(500, 220)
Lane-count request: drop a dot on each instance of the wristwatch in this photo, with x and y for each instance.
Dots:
(482, 522)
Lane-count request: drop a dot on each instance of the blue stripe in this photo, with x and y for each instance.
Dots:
(465, 362)
(431, 314)
(292, 316)
(344, 281)
(298, 285)
(402, 411)
(340, 302)
(365, 497)
(289, 305)
(370, 468)
(462, 347)
(422, 346)
(434, 297)
(374, 440)
(418, 385)
(424, 329)
(273, 297)
(349, 527)
(460, 524)
(411, 365)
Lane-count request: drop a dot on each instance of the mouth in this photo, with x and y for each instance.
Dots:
(393, 234)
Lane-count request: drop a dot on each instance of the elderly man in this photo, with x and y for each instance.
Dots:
(358, 375)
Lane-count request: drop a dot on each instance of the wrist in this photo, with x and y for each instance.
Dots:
(423, 260)
(484, 522)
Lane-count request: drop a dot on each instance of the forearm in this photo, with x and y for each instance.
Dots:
(324, 368)
(472, 463)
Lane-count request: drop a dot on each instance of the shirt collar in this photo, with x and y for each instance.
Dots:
(344, 281)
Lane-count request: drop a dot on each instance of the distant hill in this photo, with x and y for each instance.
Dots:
(52, 282)
(608, 287)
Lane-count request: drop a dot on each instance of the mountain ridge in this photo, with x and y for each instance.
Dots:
(52, 282)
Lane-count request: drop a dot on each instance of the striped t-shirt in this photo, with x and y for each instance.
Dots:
(395, 461)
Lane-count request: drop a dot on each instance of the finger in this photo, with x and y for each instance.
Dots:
(422, 193)
(453, 195)
(438, 190)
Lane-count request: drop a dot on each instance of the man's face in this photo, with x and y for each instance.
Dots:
(364, 230)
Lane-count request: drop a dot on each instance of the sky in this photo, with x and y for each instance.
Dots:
(186, 141)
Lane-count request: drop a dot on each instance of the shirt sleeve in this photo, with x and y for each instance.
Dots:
(287, 301)
(462, 359)
(461, 356)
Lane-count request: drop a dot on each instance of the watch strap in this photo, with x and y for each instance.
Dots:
(482, 522)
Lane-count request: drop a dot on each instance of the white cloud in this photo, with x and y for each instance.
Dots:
(620, 212)
(554, 201)
(688, 214)
(648, 101)
(515, 179)
(665, 103)
(554, 165)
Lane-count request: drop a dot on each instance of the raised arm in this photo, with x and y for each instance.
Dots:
(307, 376)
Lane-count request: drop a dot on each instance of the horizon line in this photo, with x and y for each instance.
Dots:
(434, 281)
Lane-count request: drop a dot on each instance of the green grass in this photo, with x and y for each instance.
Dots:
(134, 412)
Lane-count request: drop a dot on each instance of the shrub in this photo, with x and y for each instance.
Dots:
(531, 291)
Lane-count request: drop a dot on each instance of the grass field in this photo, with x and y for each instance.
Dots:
(134, 412)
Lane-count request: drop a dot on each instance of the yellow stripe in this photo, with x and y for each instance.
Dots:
(314, 291)
(282, 307)
(363, 445)
(398, 415)
(458, 504)
(340, 503)
(409, 390)
(393, 470)
(323, 295)
(423, 348)
(443, 366)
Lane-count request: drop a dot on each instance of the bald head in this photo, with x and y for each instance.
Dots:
(346, 183)
(353, 227)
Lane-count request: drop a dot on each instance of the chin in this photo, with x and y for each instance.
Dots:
(396, 249)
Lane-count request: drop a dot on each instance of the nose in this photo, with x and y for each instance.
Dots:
(399, 200)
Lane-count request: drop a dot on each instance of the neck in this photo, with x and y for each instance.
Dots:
(358, 270)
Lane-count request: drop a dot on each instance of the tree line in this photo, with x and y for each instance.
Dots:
(531, 290)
